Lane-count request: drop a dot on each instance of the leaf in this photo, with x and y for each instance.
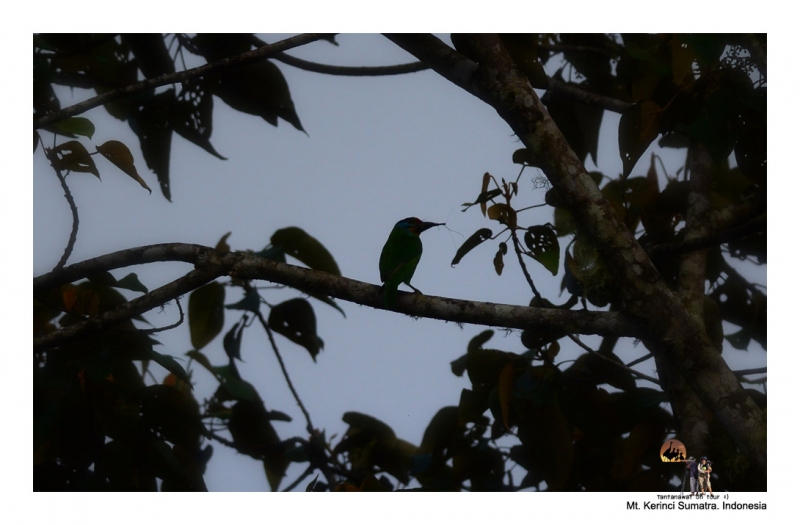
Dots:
(152, 125)
(234, 385)
(503, 213)
(505, 386)
(171, 365)
(119, 154)
(251, 302)
(251, 429)
(602, 371)
(471, 406)
(72, 156)
(295, 320)
(740, 340)
(202, 359)
(232, 342)
(459, 366)
(474, 240)
(151, 53)
(542, 241)
(296, 242)
(206, 313)
(272, 253)
(547, 442)
(526, 157)
(131, 282)
(258, 88)
(222, 245)
(502, 249)
(596, 68)
(327, 300)
(310, 486)
(482, 199)
(579, 122)
(479, 340)
(441, 433)
(484, 365)
(523, 49)
(682, 59)
(192, 113)
(75, 126)
(638, 127)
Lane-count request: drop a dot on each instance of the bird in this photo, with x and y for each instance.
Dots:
(400, 256)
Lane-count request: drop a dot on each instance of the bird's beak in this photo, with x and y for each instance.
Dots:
(421, 227)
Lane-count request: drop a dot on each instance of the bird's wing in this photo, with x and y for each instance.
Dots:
(400, 250)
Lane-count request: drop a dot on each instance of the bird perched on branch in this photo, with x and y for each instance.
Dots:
(400, 256)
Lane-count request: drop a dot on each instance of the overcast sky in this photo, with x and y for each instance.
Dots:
(377, 150)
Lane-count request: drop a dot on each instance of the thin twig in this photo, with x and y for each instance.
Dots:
(350, 71)
(169, 327)
(615, 363)
(522, 265)
(309, 425)
(762, 370)
(73, 236)
(224, 441)
(307, 472)
(640, 359)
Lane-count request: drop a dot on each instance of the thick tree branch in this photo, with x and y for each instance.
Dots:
(188, 253)
(174, 78)
(686, 405)
(210, 264)
(669, 329)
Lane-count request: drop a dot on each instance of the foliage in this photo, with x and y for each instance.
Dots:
(101, 421)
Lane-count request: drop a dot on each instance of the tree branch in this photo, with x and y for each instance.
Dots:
(349, 71)
(73, 235)
(174, 78)
(210, 264)
(748, 371)
(591, 99)
(689, 411)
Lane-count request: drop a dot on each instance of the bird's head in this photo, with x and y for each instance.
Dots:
(416, 226)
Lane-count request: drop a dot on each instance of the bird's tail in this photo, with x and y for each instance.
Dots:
(389, 296)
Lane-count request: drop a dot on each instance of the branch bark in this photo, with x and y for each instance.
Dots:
(211, 264)
(689, 411)
(669, 329)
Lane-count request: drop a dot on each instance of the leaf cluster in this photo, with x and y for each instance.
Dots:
(106, 63)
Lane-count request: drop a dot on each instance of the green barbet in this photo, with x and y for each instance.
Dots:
(400, 256)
